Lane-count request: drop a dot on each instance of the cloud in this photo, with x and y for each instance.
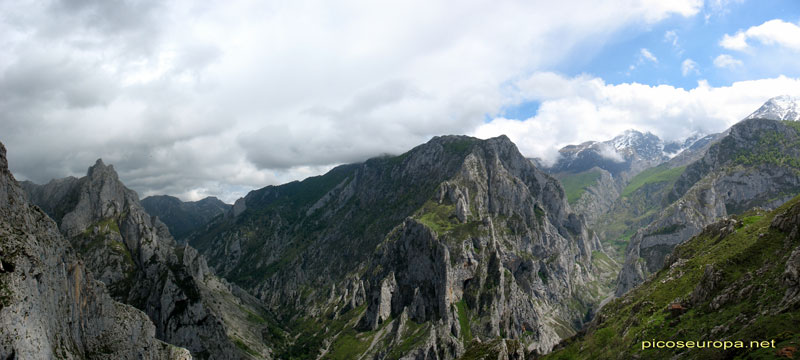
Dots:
(773, 32)
(735, 42)
(608, 152)
(689, 66)
(726, 61)
(671, 37)
(192, 98)
(647, 55)
(583, 108)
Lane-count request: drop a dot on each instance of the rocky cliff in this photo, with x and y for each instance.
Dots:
(50, 305)
(756, 164)
(420, 255)
(135, 256)
(182, 218)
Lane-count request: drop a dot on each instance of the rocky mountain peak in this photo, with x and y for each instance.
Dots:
(784, 107)
(101, 169)
(50, 304)
(138, 260)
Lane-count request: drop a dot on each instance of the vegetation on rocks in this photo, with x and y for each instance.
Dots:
(735, 282)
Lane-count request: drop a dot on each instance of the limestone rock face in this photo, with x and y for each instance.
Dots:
(134, 254)
(455, 241)
(499, 275)
(50, 305)
(754, 165)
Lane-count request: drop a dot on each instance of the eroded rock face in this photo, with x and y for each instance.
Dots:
(50, 306)
(134, 254)
(599, 197)
(512, 260)
(458, 239)
(754, 165)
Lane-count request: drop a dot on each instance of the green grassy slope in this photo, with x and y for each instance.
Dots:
(729, 279)
(575, 184)
(658, 174)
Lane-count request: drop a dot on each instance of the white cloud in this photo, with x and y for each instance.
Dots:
(689, 66)
(772, 32)
(647, 55)
(195, 98)
(726, 61)
(583, 108)
(735, 42)
(671, 37)
(608, 152)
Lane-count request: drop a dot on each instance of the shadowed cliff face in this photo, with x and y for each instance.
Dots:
(135, 256)
(50, 306)
(756, 164)
(420, 253)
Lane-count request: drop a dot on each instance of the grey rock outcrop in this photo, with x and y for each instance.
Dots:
(50, 305)
(598, 198)
(134, 254)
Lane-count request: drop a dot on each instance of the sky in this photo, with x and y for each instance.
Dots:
(217, 98)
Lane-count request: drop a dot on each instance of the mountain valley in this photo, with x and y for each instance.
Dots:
(460, 248)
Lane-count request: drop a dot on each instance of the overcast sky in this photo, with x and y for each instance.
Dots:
(198, 98)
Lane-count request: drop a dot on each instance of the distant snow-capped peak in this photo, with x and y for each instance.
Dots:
(783, 107)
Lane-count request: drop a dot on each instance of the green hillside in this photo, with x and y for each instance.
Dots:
(575, 184)
(658, 174)
(733, 282)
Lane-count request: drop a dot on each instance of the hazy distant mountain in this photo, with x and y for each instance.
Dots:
(783, 107)
(629, 152)
(595, 173)
(184, 217)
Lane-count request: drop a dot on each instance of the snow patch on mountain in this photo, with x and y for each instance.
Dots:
(783, 107)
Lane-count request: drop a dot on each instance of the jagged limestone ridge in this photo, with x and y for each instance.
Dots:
(50, 306)
(134, 254)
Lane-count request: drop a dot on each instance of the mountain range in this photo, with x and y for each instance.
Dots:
(458, 248)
